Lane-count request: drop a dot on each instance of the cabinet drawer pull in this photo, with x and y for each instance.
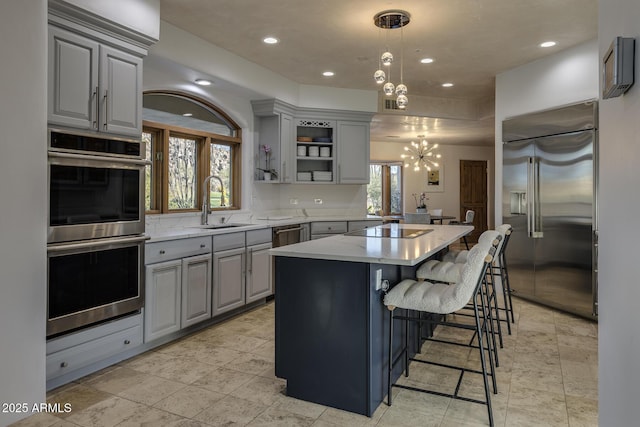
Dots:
(202, 245)
(95, 113)
(127, 342)
(106, 109)
(64, 364)
(162, 252)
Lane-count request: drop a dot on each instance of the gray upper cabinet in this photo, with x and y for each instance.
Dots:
(93, 86)
(353, 157)
(121, 92)
(313, 145)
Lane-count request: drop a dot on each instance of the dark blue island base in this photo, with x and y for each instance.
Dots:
(331, 331)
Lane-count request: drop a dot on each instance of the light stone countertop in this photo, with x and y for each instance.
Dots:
(189, 231)
(378, 250)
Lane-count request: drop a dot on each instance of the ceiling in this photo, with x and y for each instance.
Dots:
(470, 41)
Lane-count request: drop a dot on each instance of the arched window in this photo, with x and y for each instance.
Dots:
(188, 139)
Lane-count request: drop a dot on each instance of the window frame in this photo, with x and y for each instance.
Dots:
(385, 183)
(160, 168)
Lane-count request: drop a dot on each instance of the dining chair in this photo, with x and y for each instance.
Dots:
(417, 218)
(468, 220)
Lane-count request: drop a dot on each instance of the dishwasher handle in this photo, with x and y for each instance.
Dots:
(287, 230)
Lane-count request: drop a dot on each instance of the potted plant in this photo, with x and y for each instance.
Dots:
(421, 202)
(267, 171)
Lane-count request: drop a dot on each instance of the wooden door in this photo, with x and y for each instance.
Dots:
(473, 194)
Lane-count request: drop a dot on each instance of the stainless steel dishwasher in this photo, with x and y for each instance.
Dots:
(286, 235)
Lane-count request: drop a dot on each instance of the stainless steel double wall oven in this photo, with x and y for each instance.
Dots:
(95, 230)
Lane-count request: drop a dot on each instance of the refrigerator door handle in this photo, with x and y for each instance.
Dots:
(535, 221)
(530, 198)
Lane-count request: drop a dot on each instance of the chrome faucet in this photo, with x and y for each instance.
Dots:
(204, 217)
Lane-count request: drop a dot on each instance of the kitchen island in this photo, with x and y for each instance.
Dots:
(330, 320)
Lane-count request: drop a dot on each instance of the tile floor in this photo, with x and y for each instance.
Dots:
(224, 376)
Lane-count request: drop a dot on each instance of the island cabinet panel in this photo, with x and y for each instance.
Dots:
(331, 343)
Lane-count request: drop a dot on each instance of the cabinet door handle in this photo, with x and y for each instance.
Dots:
(162, 252)
(284, 170)
(127, 342)
(95, 112)
(64, 364)
(106, 108)
(250, 261)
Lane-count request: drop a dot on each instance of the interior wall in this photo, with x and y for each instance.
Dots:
(619, 204)
(569, 76)
(23, 189)
(416, 182)
(141, 15)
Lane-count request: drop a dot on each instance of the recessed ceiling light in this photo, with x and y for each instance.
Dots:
(447, 84)
(548, 44)
(426, 60)
(328, 74)
(188, 114)
(270, 40)
(203, 82)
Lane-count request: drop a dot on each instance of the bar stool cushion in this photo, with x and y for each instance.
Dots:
(441, 298)
(440, 271)
(460, 257)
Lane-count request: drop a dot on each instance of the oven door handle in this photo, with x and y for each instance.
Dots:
(286, 230)
(61, 155)
(58, 247)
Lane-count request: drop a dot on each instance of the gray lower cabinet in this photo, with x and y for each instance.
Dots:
(359, 225)
(228, 279)
(178, 290)
(320, 229)
(77, 354)
(162, 299)
(258, 276)
(241, 269)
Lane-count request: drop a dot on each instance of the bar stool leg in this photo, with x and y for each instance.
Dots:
(390, 371)
(484, 365)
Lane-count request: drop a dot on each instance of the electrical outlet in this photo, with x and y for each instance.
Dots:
(293, 201)
(317, 201)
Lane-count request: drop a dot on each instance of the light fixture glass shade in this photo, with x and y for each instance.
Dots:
(401, 89)
(379, 76)
(388, 88)
(402, 101)
(387, 58)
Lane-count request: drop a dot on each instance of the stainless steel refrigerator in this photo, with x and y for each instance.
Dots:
(549, 197)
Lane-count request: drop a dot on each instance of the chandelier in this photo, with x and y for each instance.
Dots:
(421, 155)
(389, 20)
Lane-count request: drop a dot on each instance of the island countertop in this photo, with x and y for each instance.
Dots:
(380, 250)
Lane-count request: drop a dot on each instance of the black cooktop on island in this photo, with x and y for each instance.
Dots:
(394, 233)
